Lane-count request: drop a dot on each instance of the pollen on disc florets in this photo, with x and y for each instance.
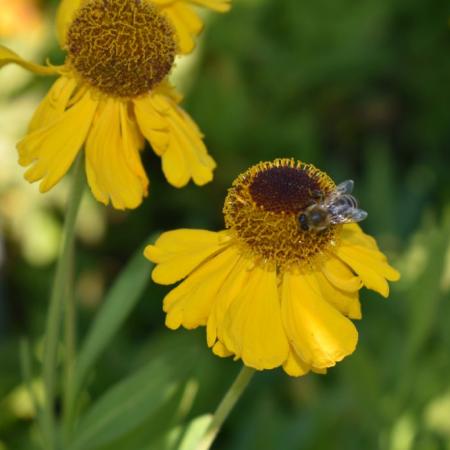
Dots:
(124, 48)
(262, 209)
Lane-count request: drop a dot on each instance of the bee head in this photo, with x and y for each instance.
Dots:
(303, 220)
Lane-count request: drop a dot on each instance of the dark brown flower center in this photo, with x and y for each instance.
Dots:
(284, 188)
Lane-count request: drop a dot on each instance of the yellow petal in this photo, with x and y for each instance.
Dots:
(346, 302)
(185, 20)
(215, 5)
(189, 304)
(220, 350)
(340, 275)
(7, 56)
(372, 270)
(235, 284)
(318, 332)
(52, 149)
(134, 134)
(176, 138)
(187, 25)
(361, 252)
(186, 156)
(113, 164)
(252, 326)
(54, 104)
(353, 234)
(66, 11)
(165, 89)
(178, 252)
(152, 124)
(294, 366)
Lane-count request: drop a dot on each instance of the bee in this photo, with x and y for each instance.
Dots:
(339, 206)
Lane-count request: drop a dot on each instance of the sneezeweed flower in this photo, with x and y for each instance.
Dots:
(112, 93)
(269, 289)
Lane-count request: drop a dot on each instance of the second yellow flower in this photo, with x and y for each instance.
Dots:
(112, 93)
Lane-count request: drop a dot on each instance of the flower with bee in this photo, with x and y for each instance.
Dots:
(280, 285)
(112, 93)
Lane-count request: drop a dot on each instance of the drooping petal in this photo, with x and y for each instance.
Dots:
(152, 124)
(7, 56)
(176, 138)
(252, 327)
(235, 284)
(186, 148)
(54, 103)
(53, 148)
(186, 23)
(220, 350)
(185, 20)
(215, 5)
(179, 252)
(129, 123)
(373, 271)
(113, 164)
(340, 275)
(294, 366)
(317, 331)
(189, 304)
(353, 234)
(66, 11)
(361, 253)
(346, 302)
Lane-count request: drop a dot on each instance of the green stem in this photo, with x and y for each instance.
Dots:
(70, 338)
(225, 407)
(57, 301)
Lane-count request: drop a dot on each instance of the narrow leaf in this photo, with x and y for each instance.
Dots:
(118, 304)
(133, 401)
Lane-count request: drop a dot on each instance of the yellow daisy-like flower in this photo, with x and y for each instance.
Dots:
(269, 290)
(112, 93)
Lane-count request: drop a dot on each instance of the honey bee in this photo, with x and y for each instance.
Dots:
(337, 207)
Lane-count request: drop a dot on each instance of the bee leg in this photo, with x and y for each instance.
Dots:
(316, 194)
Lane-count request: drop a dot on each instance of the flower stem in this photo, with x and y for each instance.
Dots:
(225, 407)
(70, 338)
(57, 301)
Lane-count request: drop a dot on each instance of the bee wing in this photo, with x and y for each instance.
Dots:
(348, 215)
(346, 187)
(341, 190)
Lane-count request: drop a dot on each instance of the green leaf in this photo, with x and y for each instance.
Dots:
(133, 401)
(118, 304)
(195, 431)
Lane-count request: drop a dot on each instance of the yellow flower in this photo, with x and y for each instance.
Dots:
(268, 290)
(112, 93)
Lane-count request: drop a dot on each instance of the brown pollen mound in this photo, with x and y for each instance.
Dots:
(124, 48)
(262, 209)
(283, 188)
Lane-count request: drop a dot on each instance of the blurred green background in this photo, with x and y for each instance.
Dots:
(359, 88)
